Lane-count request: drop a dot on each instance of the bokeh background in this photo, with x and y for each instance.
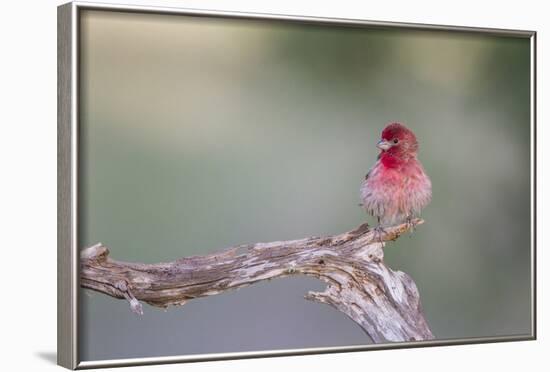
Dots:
(201, 133)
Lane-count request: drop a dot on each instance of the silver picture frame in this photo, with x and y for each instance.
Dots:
(68, 182)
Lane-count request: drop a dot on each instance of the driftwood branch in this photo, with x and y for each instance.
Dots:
(385, 303)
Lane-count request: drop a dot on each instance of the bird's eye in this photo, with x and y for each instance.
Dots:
(395, 140)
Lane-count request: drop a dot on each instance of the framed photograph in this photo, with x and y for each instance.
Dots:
(363, 184)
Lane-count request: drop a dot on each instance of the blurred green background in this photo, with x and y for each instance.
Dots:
(199, 133)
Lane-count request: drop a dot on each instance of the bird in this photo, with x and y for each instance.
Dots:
(396, 188)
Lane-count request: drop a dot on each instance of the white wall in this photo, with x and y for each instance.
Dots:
(28, 182)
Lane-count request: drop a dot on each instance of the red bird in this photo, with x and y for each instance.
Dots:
(396, 188)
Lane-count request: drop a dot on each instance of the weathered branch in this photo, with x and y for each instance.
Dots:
(385, 303)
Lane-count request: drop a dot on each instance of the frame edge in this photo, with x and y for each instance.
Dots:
(66, 320)
(534, 123)
(67, 260)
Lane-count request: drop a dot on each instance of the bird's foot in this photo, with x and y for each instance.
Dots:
(411, 225)
(379, 233)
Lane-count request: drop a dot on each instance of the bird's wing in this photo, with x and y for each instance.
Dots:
(363, 184)
(370, 170)
(368, 174)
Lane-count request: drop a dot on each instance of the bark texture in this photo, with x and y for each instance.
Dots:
(385, 303)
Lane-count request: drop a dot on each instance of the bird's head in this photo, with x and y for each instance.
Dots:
(397, 142)
(398, 139)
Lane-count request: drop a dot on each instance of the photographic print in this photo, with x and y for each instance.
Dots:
(238, 185)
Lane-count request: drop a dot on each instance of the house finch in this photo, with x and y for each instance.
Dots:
(396, 188)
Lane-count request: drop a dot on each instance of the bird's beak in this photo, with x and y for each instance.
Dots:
(383, 145)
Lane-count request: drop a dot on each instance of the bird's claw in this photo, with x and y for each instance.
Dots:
(411, 225)
(379, 232)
